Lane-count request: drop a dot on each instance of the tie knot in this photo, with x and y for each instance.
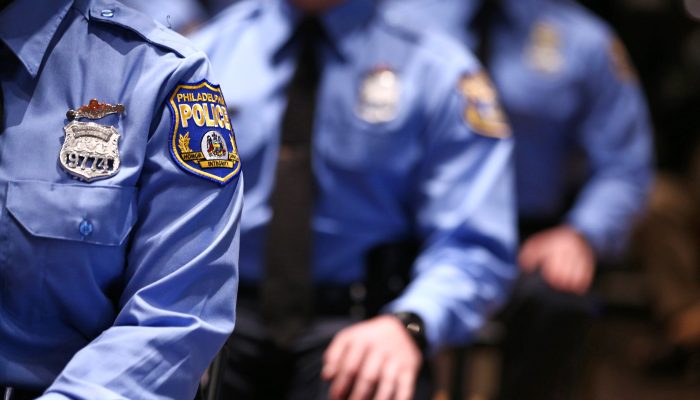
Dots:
(482, 24)
(486, 11)
(308, 35)
(309, 29)
(307, 38)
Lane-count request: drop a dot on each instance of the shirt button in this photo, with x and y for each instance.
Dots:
(85, 228)
(107, 13)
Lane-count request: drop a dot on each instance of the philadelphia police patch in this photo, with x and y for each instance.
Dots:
(202, 141)
(483, 111)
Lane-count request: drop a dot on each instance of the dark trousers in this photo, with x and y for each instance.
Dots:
(258, 369)
(546, 333)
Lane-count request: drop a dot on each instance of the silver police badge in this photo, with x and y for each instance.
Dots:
(90, 151)
(379, 96)
(545, 53)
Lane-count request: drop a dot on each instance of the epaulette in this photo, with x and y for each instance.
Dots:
(115, 13)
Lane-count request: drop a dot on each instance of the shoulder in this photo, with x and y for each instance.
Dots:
(434, 63)
(137, 49)
(582, 28)
(435, 49)
(591, 42)
(113, 16)
(451, 80)
(227, 23)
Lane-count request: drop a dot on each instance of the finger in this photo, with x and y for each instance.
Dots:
(566, 267)
(554, 271)
(406, 384)
(368, 377)
(528, 257)
(387, 385)
(586, 277)
(347, 371)
(333, 356)
(577, 281)
(572, 280)
(580, 273)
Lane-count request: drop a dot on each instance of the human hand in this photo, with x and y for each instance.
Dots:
(563, 256)
(374, 359)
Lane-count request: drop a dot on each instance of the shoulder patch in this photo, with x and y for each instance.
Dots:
(483, 112)
(621, 64)
(202, 141)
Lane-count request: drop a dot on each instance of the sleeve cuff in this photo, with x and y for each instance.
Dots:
(433, 316)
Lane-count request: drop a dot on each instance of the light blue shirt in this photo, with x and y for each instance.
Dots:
(569, 91)
(178, 15)
(120, 288)
(414, 169)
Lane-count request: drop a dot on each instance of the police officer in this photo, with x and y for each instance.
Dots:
(406, 141)
(582, 163)
(119, 252)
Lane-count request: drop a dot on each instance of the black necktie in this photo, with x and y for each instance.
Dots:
(286, 296)
(482, 25)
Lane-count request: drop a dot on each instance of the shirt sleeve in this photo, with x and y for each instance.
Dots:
(177, 306)
(616, 137)
(465, 212)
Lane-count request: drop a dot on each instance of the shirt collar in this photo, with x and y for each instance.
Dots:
(27, 27)
(281, 19)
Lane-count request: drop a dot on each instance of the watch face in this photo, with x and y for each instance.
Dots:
(415, 327)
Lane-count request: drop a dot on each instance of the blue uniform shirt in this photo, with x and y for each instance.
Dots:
(393, 156)
(568, 90)
(179, 15)
(119, 288)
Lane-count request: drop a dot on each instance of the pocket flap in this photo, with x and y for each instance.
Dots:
(93, 214)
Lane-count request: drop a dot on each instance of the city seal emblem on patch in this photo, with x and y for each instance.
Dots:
(90, 151)
(483, 111)
(202, 141)
(379, 96)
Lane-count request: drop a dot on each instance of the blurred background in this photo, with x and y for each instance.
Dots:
(637, 350)
(629, 354)
(663, 39)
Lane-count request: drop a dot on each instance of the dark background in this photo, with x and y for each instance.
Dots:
(663, 39)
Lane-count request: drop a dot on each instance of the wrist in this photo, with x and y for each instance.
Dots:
(415, 327)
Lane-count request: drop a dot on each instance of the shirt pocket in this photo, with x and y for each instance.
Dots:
(65, 249)
(101, 215)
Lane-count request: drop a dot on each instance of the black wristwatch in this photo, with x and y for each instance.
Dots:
(415, 328)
